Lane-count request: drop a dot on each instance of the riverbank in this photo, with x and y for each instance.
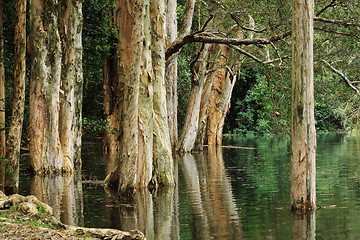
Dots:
(28, 218)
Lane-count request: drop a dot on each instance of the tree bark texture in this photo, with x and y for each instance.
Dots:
(171, 73)
(130, 20)
(15, 131)
(111, 141)
(191, 124)
(71, 80)
(303, 135)
(46, 154)
(219, 101)
(2, 98)
(163, 161)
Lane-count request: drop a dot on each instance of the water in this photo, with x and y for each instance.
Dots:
(224, 193)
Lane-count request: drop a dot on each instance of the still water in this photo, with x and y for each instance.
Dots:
(238, 192)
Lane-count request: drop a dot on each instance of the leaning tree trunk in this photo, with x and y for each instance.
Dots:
(191, 124)
(71, 80)
(15, 131)
(303, 134)
(219, 102)
(46, 155)
(130, 15)
(171, 74)
(163, 161)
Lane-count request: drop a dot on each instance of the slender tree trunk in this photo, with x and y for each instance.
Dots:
(15, 131)
(130, 15)
(71, 80)
(2, 100)
(171, 73)
(303, 135)
(190, 129)
(163, 161)
(46, 154)
(111, 141)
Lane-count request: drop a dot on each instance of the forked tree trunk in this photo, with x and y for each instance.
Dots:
(15, 131)
(71, 80)
(46, 155)
(303, 134)
(191, 124)
(171, 73)
(163, 161)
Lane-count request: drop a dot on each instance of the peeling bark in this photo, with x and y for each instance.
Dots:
(46, 154)
(303, 134)
(71, 80)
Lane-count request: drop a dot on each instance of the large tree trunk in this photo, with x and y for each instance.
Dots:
(15, 131)
(71, 80)
(46, 155)
(163, 161)
(303, 135)
(130, 17)
(171, 73)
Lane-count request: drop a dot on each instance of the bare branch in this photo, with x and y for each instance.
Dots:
(208, 37)
(331, 4)
(343, 76)
(337, 22)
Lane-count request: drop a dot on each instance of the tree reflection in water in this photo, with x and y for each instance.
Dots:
(63, 193)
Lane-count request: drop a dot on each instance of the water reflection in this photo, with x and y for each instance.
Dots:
(213, 208)
(63, 193)
(303, 226)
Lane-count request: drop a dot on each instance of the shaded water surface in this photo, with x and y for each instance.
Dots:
(239, 192)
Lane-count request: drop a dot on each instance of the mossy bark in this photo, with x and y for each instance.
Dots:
(46, 154)
(71, 80)
(15, 131)
(303, 134)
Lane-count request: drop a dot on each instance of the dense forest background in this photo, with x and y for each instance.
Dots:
(261, 98)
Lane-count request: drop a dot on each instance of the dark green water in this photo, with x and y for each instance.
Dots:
(224, 193)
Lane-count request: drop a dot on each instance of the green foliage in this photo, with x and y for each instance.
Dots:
(94, 126)
(99, 40)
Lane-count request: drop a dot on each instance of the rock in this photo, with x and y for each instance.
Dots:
(29, 208)
(16, 199)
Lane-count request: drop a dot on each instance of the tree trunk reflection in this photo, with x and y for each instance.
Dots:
(64, 194)
(212, 206)
(303, 226)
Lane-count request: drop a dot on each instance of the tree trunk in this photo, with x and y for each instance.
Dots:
(15, 131)
(163, 161)
(171, 73)
(2, 101)
(146, 98)
(46, 155)
(191, 124)
(219, 102)
(71, 80)
(130, 16)
(303, 135)
(111, 139)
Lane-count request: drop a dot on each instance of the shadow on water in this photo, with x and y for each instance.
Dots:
(229, 193)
